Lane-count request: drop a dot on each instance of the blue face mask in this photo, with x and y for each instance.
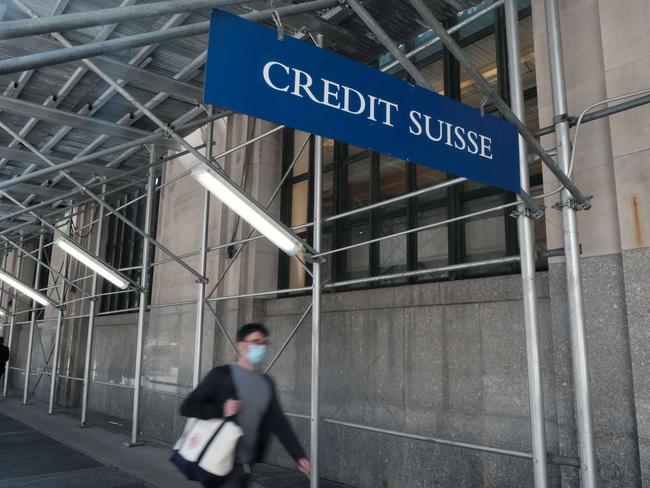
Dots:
(256, 354)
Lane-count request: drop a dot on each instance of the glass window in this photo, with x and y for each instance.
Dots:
(485, 236)
(296, 271)
(329, 204)
(433, 248)
(357, 260)
(299, 203)
(302, 165)
(357, 184)
(434, 74)
(393, 251)
(427, 177)
(354, 150)
(328, 151)
(482, 53)
(392, 177)
(355, 178)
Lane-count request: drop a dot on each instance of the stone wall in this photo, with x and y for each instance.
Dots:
(442, 360)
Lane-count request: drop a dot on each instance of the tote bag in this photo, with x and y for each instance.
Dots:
(206, 449)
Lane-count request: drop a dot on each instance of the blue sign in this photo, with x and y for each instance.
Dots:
(249, 70)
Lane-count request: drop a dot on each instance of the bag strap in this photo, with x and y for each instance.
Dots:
(211, 440)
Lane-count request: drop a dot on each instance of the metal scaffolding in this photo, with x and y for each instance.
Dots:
(90, 165)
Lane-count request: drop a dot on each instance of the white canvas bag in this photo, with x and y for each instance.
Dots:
(211, 444)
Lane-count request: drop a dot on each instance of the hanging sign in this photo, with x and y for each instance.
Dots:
(249, 70)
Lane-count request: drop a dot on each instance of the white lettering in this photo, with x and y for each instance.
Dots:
(371, 116)
(346, 101)
(389, 106)
(486, 149)
(459, 133)
(297, 84)
(471, 137)
(412, 116)
(448, 141)
(327, 93)
(427, 127)
(267, 76)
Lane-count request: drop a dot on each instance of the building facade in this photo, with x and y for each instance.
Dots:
(441, 356)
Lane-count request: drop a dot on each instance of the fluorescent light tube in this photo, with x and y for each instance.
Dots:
(232, 196)
(30, 292)
(83, 256)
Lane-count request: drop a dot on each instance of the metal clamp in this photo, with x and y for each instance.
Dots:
(561, 118)
(574, 204)
(310, 258)
(528, 212)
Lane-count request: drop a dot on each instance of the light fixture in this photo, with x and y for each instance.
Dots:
(248, 209)
(3, 312)
(30, 292)
(80, 254)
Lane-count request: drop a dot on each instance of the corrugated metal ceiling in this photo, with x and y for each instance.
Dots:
(92, 97)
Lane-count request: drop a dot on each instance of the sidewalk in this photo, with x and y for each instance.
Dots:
(50, 451)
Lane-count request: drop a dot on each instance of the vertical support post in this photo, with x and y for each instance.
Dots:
(32, 323)
(525, 231)
(144, 292)
(92, 311)
(5, 257)
(18, 266)
(57, 336)
(315, 311)
(586, 449)
(200, 303)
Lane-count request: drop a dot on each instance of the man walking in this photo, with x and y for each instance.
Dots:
(243, 391)
(4, 356)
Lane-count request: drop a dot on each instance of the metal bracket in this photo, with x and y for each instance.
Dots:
(484, 101)
(561, 118)
(575, 204)
(311, 259)
(204, 280)
(528, 212)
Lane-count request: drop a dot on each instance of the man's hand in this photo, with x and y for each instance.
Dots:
(231, 408)
(304, 466)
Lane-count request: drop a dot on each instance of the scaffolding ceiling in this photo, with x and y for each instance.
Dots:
(67, 111)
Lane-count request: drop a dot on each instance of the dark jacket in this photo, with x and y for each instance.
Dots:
(4, 356)
(206, 402)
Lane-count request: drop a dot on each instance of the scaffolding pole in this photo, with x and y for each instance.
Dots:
(57, 334)
(92, 311)
(525, 230)
(93, 49)
(586, 448)
(314, 481)
(200, 303)
(144, 294)
(17, 268)
(32, 323)
(5, 255)
(57, 23)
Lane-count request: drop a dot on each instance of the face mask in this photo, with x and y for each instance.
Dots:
(256, 354)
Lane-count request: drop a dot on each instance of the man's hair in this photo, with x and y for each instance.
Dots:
(247, 329)
(2, 340)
